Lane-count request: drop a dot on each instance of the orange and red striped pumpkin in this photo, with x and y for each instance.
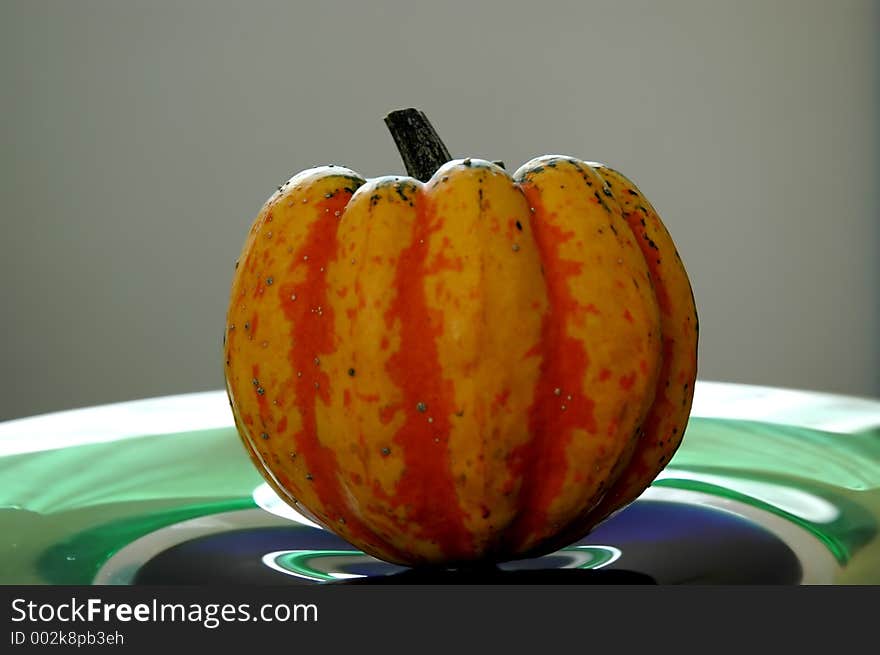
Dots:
(474, 368)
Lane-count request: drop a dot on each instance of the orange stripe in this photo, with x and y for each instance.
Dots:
(563, 367)
(426, 487)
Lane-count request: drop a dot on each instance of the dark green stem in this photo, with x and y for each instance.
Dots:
(420, 147)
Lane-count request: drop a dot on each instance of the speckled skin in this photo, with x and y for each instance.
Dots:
(477, 368)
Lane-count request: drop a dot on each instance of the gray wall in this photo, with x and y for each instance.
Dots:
(140, 139)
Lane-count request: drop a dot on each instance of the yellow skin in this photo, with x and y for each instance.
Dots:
(457, 370)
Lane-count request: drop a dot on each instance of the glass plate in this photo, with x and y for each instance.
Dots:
(770, 486)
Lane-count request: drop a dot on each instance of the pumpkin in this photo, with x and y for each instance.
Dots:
(460, 366)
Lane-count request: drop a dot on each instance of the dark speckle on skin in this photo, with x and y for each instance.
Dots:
(401, 189)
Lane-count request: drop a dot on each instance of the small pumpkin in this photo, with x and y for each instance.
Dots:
(460, 365)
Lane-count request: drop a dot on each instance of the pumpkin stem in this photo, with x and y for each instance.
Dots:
(420, 147)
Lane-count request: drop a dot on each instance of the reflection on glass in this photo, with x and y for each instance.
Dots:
(803, 504)
(331, 565)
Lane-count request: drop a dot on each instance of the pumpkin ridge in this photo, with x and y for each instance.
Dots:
(360, 264)
(349, 480)
(367, 407)
(546, 449)
(665, 423)
(601, 303)
(493, 299)
(310, 340)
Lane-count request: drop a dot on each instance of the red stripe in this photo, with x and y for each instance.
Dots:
(541, 463)
(426, 487)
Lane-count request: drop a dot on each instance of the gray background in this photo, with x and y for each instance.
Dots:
(140, 139)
